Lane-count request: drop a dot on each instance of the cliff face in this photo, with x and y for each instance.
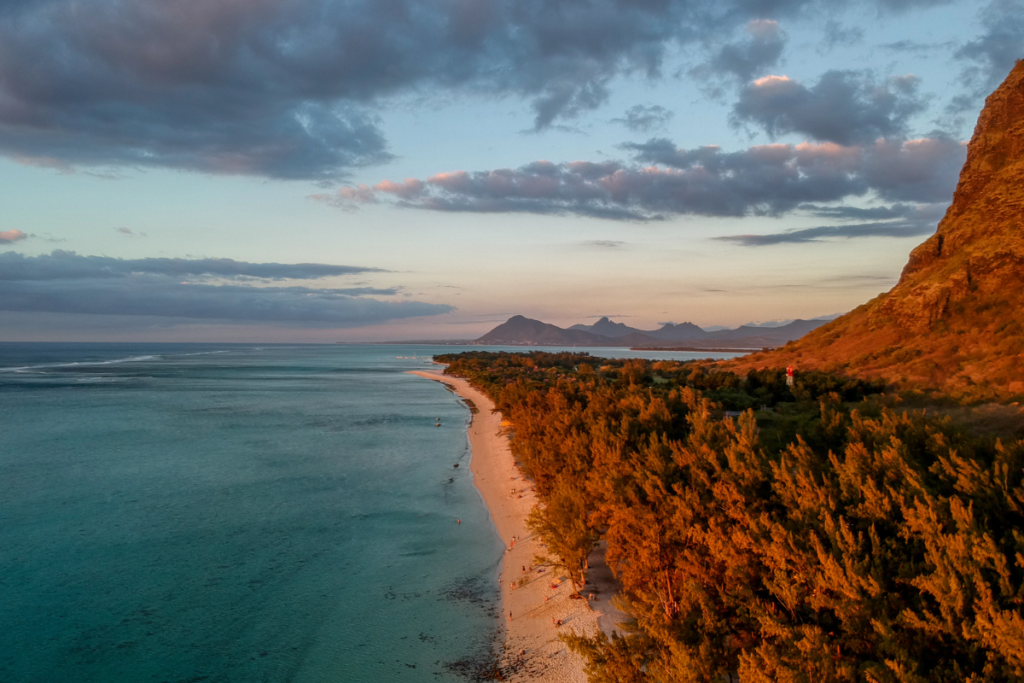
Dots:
(955, 321)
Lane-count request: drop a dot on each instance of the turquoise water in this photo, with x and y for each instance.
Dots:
(237, 513)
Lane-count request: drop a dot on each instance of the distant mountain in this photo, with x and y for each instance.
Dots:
(954, 322)
(821, 319)
(769, 323)
(668, 332)
(606, 328)
(522, 331)
(780, 335)
(519, 330)
(680, 332)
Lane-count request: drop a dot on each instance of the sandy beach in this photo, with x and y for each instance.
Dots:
(535, 599)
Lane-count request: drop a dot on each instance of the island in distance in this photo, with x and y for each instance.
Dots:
(522, 331)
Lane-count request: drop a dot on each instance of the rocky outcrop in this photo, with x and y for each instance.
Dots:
(953, 323)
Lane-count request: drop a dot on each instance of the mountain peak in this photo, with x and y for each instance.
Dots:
(955, 320)
(979, 241)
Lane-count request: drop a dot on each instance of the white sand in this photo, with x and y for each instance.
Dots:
(535, 606)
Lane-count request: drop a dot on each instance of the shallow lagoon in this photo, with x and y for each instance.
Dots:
(238, 513)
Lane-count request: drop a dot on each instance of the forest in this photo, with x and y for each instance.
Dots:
(824, 532)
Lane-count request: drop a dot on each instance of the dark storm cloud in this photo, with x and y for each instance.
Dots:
(64, 282)
(993, 54)
(844, 107)
(288, 88)
(664, 180)
(641, 119)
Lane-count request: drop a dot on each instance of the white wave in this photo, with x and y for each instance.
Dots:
(115, 361)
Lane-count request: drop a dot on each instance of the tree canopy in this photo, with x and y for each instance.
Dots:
(764, 533)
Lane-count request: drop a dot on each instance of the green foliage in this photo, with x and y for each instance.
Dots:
(829, 536)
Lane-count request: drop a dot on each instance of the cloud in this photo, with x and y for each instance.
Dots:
(924, 212)
(838, 35)
(992, 55)
(346, 197)
(641, 119)
(65, 282)
(844, 107)
(11, 236)
(286, 89)
(289, 89)
(914, 47)
(67, 265)
(921, 170)
(409, 188)
(605, 244)
(149, 297)
(746, 58)
(906, 5)
(848, 231)
(664, 180)
(895, 220)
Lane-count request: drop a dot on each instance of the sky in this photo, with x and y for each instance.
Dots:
(363, 170)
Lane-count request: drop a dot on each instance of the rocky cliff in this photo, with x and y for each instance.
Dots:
(955, 321)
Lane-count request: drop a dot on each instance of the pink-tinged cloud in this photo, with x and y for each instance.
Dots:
(664, 181)
(451, 181)
(11, 236)
(777, 82)
(410, 187)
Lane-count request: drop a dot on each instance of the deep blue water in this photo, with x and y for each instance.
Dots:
(237, 513)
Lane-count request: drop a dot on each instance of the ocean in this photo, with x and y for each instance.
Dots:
(191, 512)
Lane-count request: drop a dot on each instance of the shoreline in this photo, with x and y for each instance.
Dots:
(537, 598)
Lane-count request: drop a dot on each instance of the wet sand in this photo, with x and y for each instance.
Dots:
(537, 598)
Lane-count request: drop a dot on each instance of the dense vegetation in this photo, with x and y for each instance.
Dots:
(823, 534)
